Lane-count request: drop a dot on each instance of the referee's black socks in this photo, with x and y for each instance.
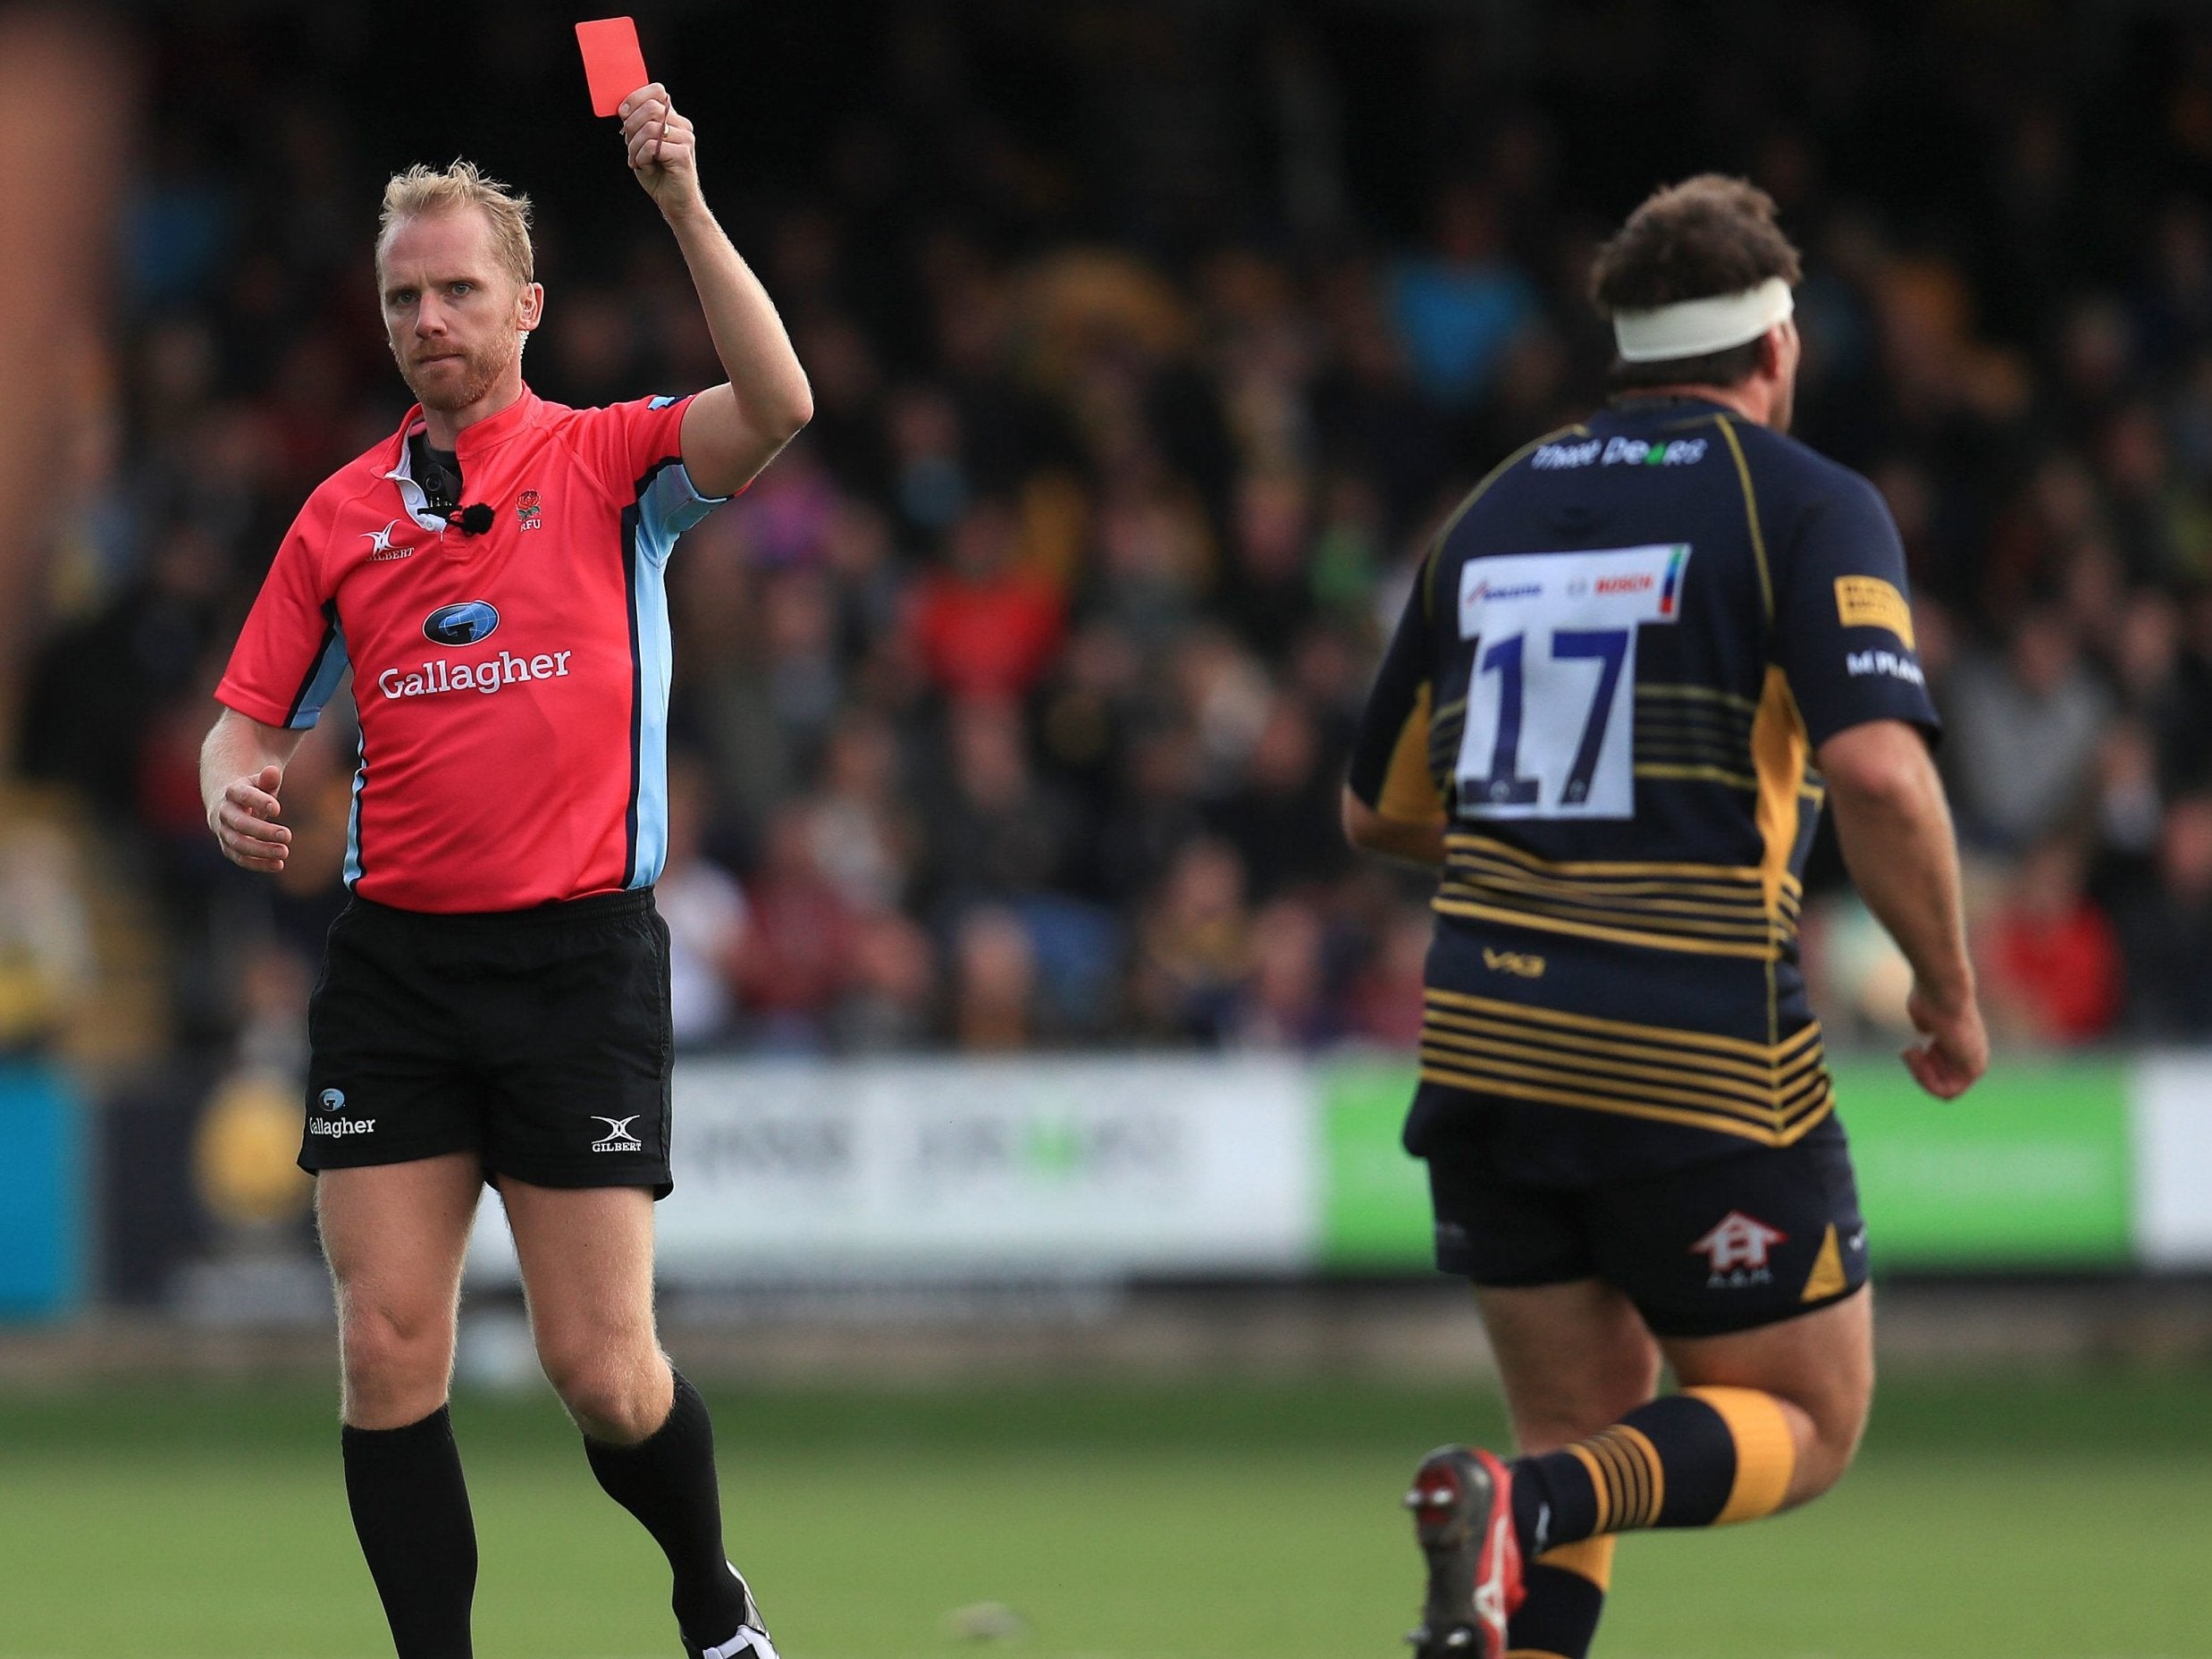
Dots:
(667, 1481)
(410, 1510)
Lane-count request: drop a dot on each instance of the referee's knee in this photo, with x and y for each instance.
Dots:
(396, 1369)
(613, 1395)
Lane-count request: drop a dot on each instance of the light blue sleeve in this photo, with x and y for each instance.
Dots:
(670, 504)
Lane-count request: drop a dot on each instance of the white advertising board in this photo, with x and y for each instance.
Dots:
(2172, 1100)
(946, 1168)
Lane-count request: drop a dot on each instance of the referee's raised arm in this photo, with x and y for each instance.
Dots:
(731, 430)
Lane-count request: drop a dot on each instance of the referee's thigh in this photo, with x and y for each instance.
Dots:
(395, 1235)
(587, 1256)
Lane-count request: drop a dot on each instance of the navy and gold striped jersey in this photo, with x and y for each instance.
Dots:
(1616, 663)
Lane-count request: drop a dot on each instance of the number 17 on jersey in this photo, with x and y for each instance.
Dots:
(1550, 700)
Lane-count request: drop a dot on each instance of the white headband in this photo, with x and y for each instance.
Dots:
(1692, 327)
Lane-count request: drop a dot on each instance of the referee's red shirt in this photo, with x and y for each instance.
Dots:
(513, 686)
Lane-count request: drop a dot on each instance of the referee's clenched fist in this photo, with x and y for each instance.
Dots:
(662, 147)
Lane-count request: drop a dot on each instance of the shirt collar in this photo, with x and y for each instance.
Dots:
(488, 434)
(1632, 404)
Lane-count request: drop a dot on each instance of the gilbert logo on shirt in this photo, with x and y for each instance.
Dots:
(381, 548)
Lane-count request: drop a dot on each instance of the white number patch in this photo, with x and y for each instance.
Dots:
(1551, 708)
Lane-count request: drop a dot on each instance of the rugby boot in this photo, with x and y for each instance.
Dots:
(1462, 1504)
(751, 1640)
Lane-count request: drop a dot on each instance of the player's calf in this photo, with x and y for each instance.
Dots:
(1702, 1458)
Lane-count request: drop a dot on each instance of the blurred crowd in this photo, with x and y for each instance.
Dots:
(1150, 344)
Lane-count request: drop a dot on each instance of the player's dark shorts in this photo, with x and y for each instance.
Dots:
(1725, 1244)
(538, 1040)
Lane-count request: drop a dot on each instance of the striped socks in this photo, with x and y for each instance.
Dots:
(1566, 1594)
(1706, 1457)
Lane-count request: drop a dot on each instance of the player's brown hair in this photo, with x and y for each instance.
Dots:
(421, 189)
(1708, 235)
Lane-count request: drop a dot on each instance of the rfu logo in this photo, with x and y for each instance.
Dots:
(380, 543)
(1736, 1251)
(460, 624)
(529, 511)
(618, 1138)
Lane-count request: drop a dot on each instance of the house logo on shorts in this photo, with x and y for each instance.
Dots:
(618, 1138)
(1736, 1252)
(333, 1102)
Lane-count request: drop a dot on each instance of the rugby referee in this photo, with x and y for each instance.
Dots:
(1634, 664)
(494, 1005)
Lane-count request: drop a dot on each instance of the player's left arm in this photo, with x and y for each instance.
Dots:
(731, 430)
(1844, 641)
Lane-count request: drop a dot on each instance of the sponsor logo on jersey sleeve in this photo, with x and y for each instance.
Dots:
(1887, 664)
(1869, 602)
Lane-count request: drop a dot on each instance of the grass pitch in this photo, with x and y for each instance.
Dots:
(1224, 1521)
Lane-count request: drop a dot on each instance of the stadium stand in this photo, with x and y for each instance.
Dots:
(1148, 344)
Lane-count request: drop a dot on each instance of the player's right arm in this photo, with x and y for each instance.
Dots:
(241, 768)
(288, 662)
(1392, 805)
(730, 431)
(1894, 829)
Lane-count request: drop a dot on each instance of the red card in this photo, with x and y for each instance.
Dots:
(612, 61)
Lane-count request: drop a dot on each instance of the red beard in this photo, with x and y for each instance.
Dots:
(437, 386)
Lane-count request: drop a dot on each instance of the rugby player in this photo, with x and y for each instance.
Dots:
(1634, 663)
(494, 1005)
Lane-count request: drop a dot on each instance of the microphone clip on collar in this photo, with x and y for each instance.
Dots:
(473, 520)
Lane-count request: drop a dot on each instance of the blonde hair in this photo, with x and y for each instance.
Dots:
(421, 189)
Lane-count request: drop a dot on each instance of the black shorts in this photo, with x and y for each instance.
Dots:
(538, 1040)
(1729, 1244)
